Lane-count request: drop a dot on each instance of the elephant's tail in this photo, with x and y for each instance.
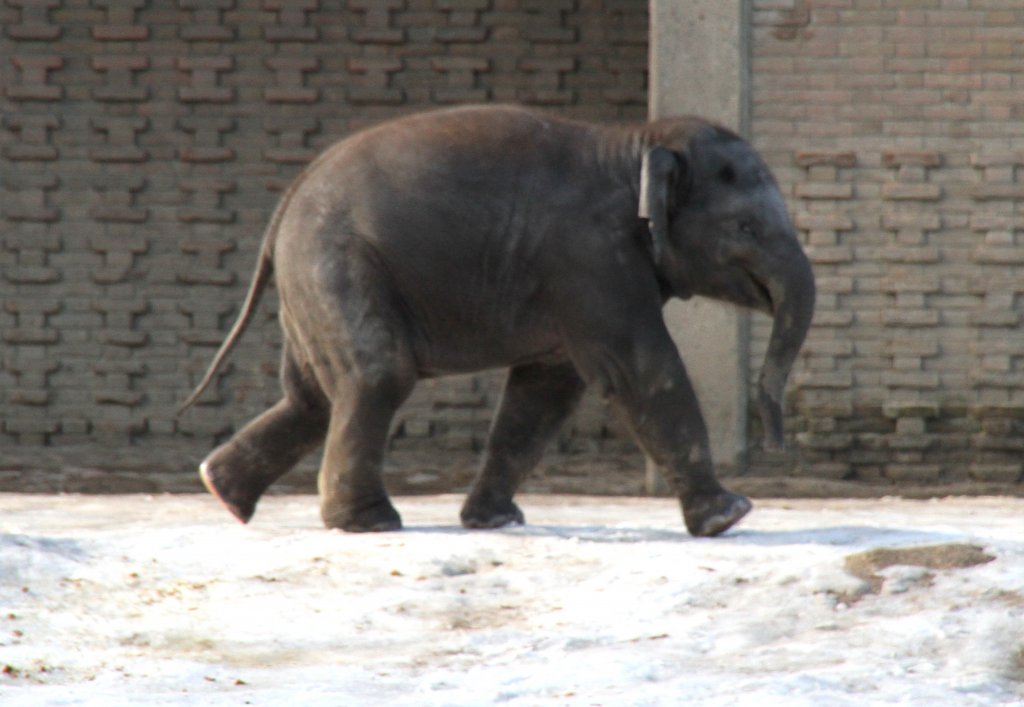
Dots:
(264, 269)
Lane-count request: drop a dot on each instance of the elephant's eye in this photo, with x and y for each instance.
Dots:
(747, 229)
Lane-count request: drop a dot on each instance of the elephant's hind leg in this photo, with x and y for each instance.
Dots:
(238, 472)
(352, 492)
(536, 401)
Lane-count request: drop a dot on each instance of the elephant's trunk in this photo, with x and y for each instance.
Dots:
(792, 292)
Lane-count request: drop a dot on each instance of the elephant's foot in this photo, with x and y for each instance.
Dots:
(377, 517)
(239, 499)
(487, 515)
(710, 515)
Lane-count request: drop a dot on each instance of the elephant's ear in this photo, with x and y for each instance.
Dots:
(662, 170)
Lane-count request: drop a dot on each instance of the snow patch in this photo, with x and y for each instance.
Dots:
(600, 601)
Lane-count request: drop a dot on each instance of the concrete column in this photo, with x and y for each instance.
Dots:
(698, 65)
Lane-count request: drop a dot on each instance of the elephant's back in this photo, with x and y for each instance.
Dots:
(472, 148)
(475, 128)
(475, 168)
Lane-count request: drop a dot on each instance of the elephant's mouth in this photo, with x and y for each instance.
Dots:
(762, 296)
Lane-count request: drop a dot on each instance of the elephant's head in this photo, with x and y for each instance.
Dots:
(719, 228)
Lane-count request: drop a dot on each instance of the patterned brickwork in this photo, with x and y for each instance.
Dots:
(142, 147)
(143, 144)
(896, 131)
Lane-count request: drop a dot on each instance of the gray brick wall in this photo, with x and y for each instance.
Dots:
(896, 131)
(142, 147)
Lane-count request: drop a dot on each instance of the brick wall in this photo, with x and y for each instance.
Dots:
(143, 145)
(896, 128)
(142, 148)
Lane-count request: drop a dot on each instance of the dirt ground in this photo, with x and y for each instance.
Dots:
(452, 472)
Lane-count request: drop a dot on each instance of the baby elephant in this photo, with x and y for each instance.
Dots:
(483, 237)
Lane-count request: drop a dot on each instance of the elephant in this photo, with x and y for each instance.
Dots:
(482, 237)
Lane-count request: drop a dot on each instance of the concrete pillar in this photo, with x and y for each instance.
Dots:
(698, 65)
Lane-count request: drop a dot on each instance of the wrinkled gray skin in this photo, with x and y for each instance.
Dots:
(485, 237)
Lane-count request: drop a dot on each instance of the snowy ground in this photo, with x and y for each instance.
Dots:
(146, 601)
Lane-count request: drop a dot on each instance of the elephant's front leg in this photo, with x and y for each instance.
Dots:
(668, 424)
(646, 381)
(536, 400)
